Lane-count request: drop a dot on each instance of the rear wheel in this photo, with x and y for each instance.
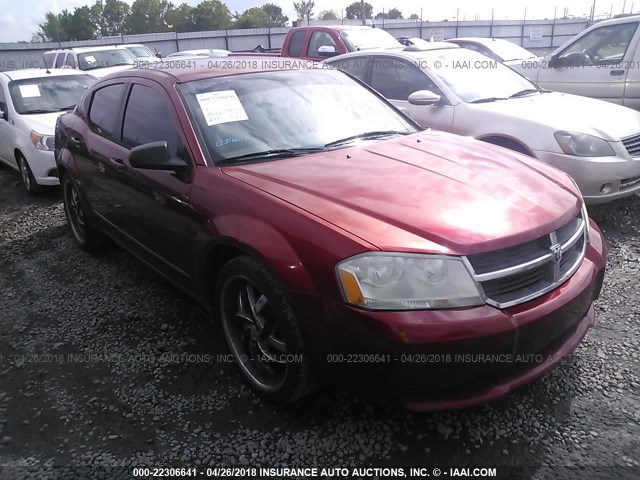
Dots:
(262, 330)
(85, 236)
(26, 176)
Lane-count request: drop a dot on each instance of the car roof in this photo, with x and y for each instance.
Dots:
(198, 68)
(87, 49)
(41, 72)
(481, 40)
(406, 52)
(336, 27)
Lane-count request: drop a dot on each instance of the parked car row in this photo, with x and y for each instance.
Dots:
(331, 235)
(328, 231)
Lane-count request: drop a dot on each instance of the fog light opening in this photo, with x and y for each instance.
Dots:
(605, 188)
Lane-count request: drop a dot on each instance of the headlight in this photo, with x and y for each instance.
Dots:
(42, 142)
(583, 145)
(399, 281)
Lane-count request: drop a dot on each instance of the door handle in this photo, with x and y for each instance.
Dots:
(616, 73)
(117, 163)
(76, 142)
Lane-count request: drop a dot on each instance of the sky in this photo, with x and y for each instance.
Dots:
(20, 18)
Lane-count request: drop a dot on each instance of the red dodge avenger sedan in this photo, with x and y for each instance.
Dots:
(330, 236)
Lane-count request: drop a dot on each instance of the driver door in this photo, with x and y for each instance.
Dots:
(596, 64)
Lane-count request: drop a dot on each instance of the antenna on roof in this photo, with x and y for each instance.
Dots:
(45, 64)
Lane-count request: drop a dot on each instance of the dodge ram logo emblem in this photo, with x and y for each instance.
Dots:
(556, 251)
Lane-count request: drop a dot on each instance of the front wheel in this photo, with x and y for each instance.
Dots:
(262, 330)
(26, 176)
(85, 236)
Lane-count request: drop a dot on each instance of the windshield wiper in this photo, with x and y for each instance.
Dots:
(277, 152)
(70, 107)
(365, 136)
(487, 100)
(42, 110)
(524, 92)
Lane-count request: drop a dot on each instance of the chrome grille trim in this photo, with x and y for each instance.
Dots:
(536, 276)
(632, 144)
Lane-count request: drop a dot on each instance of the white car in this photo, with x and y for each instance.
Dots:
(461, 91)
(30, 103)
(203, 52)
(98, 61)
(601, 62)
(141, 52)
(497, 48)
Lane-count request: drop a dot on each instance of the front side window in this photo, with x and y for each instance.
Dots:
(601, 46)
(70, 61)
(320, 39)
(259, 112)
(148, 119)
(397, 79)
(105, 58)
(104, 109)
(364, 38)
(48, 94)
(60, 60)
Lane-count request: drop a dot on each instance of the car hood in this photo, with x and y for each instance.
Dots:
(431, 191)
(42, 123)
(103, 72)
(562, 111)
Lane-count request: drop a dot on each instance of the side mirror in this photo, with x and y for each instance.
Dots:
(424, 97)
(155, 156)
(327, 51)
(554, 61)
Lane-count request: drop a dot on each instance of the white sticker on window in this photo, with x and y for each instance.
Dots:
(221, 107)
(28, 91)
(90, 59)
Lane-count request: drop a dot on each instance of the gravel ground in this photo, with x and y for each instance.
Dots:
(103, 366)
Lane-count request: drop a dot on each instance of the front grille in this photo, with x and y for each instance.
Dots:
(629, 182)
(632, 144)
(521, 273)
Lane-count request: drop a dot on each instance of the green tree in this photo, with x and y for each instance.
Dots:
(304, 9)
(328, 15)
(181, 18)
(148, 16)
(276, 17)
(56, 27)
(254, 17)
(211, 15)
(81, 26)
(414, 16)
(354, 10)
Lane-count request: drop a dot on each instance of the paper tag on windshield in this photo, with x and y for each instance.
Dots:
(221, 107)
(28, 91)
(90, 59)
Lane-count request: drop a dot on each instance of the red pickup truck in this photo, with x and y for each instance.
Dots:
(322, 42)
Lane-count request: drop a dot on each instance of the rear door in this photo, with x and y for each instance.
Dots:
(595, 64)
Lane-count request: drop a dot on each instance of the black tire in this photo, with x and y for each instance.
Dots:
(26, 176)
(86, 237)
(262, 330)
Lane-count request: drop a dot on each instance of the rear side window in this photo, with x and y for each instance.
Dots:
(397, 79)
(105, 106)
(48, 59)
(147, 119)
(356, 67)
(297, 42)
(60, 60)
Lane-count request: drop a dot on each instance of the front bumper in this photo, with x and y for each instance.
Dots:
(43, 166)
(456, 358)
(601, 179)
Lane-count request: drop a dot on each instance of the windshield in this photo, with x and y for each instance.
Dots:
(48, 94)
(141, 52)
(508, 50)
(364, 38)
(262, 112)
(473, 76)
(105, 58)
